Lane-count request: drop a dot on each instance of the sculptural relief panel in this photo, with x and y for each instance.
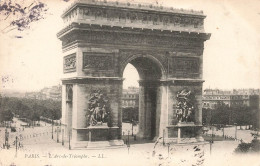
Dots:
(185, 106)
(185, 67)
(69, 63)
(98, 111)
(98, 61)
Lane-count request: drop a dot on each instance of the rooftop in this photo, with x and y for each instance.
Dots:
(128, 5)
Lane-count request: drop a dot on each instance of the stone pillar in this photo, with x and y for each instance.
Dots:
(83, 88)
(179, 135)
(187, 129)
(69, 118)
(164, 107)
(141, 111)
(148, 109)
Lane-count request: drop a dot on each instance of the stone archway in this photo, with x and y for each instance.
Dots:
(166, 47)
(151, 72)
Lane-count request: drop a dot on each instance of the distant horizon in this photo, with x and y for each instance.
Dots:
(25, 91)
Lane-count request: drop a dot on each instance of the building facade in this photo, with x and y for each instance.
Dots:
(232, 98)
(130, 97)
(53, 93)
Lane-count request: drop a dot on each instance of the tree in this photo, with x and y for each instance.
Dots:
(220, 114)
(30, 108)
(20, 14)
(223, 114)
(6, 115)
(207, 115)
(245, 115)
(129, 114)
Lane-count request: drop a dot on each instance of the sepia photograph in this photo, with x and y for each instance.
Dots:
(129, 83)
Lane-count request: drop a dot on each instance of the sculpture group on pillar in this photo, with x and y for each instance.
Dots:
(185, 108)
(98, 109)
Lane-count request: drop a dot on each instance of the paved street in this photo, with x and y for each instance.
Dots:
(40, 149)
(243, 134)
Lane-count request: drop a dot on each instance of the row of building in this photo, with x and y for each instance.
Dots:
(232, 98)
(130, 97)
(210, 98)
(53, 92)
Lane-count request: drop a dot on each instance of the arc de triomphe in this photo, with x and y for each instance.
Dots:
(166, 47)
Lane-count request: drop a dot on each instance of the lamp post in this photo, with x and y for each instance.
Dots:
(6, 138)
(62, 142)
(211, 142)
(128, 136)
(163, 136)
(69, 141)
(52, 128)
(235, 130)
(58, 134)
(212, 134)
(128, 145)
(132, 127)
(16, 140)
(223, 130)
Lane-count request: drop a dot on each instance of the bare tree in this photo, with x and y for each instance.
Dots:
(19, 15)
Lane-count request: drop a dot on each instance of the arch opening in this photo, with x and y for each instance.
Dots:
(149, 72)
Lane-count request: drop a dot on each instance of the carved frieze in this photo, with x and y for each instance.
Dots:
(69, 63)
(98, 61)
(170, 19)
(134, 39)
(185, 66)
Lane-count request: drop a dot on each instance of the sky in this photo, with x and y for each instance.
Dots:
(231, 56)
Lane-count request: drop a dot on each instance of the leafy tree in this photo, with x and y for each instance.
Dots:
(206, 116)
(6, 115)
(223, 114)
(30, 108)
(129, 114)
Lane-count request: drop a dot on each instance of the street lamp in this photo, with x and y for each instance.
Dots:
(62, 137)
(52, 128)
(132, 127)
(69, 141)
(128, 145)
(6, 138)
(223, 130)
(235, 130)
(16, 140)
(163, 137)
(58, 135)
(212, 134)
(211, 142)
